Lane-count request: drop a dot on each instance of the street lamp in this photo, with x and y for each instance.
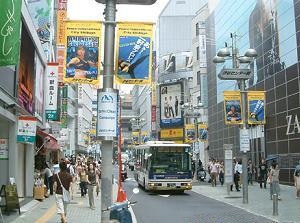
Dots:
(250, 54)
(192, 111)
(137, 123)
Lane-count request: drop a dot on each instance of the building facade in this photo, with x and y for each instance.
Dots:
(272, 28)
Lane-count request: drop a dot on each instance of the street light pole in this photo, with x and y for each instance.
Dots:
(236, 59)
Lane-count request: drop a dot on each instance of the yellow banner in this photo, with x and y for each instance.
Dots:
(134, 53)
(256, 107)
(153, 93)
(61, 27)
(82, 52)
(190, 133)
(233, 107)
(135, 137)
(171, 133)
(202, 132)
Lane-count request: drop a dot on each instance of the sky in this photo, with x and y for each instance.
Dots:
(91, 10)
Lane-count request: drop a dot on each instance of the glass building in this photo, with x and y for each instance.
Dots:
(272, 28)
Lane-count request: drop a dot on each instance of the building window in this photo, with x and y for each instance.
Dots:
(198, 53)
(197, 29)
(198, 77)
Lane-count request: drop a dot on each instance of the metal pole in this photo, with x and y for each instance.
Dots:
(108, 70)
(245, 158)
(196, 162)
(275, 204)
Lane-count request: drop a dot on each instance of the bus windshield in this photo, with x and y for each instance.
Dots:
(169, 160)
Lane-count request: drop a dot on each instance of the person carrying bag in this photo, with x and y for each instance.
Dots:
(61, 187)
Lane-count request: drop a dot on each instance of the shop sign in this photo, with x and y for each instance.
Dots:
(234, 74)
(293, 125)
(171, 133)
(3, 149)
(26, 129)
(51, 86)
(244, 140)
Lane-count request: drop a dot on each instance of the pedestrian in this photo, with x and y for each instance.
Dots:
(274, 180)
(92, 182)
(297, 179)
(251, 172)
(61, 179)
(214, 171)
(48, 175)
(237, 174)
(83, 181)
(98, 172)
(262, 173)
(221, 173)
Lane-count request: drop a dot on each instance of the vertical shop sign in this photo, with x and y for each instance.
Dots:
(3, 149)
(26, 129)
(10, 20)
(51, 86)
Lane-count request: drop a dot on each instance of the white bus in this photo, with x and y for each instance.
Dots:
(163, 165)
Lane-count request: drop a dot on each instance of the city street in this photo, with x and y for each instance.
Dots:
(189, 207)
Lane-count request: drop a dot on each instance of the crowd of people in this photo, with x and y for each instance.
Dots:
(82, 172)
(263, 174)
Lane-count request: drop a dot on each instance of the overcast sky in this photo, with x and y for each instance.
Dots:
(91, 10)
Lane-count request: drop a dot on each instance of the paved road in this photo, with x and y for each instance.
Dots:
(189, 207)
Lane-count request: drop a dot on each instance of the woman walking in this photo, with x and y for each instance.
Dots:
(92, 182)
(83, 181)
(274, 180)
(61, 180)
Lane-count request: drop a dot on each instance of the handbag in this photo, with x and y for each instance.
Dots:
(268, 180)
(66, 196)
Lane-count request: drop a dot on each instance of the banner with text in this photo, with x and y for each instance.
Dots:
(134, 52)
(171, 133)
(10, 20)
(202, 132)
(232, 107)
(51, 91)
(82, 52)
(3, 149)
(190, 133)
(256, 107)
(39, 88)
(26, 129)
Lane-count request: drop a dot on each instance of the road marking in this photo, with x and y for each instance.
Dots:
(48, 215)
(164, 195)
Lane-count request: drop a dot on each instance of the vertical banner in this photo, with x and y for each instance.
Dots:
(134, 52)
(232, 107)
(39, 88)
(26, 129)
(61, 17)
(41, 15)
(190, 134)
(82, 52)
(10, 20)
(64, 107)
(202, 132)
(51, 90)
(135, 137)
(61, 63)
(3, 149)
(171, 96)
(256, 107)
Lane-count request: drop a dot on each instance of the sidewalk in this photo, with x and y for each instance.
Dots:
(45, 211)
(259, 201)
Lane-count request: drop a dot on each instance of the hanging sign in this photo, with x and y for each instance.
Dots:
(244, 140)
(202, 132)
(134, 52)
(26, 129)
(190, 133)
(51, 86)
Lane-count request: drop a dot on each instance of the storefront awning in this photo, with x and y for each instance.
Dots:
(47, 141)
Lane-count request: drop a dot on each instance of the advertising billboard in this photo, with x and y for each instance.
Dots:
(134, 52)
(256, 107)
(202, 132)
(171, 97)
(190, 133)
(26, 74)
(39, 88)
(82, 52)
(232, 107)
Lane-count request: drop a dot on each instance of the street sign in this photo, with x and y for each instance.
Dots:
(234, 74)
(244, 140)
(227, 147)
(131, 2)
(228, 154)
